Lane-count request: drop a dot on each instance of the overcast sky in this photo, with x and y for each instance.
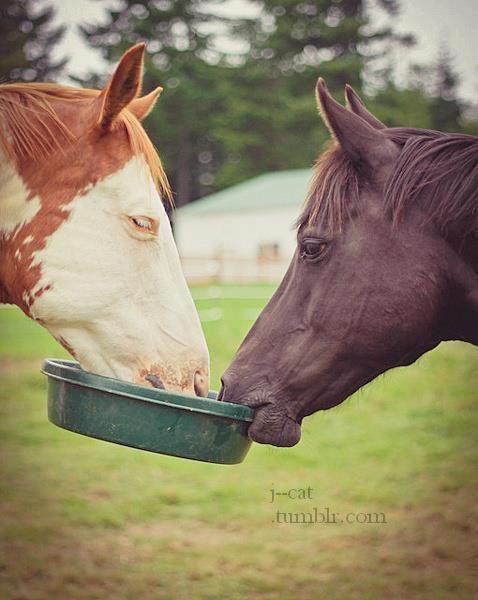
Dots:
(431, 21)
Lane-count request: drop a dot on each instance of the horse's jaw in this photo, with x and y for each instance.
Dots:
(100, 348)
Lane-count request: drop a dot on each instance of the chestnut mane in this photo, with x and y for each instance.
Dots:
(31, 128)
(439, 170)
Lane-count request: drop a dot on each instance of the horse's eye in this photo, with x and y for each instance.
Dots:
(143, 224)
(312, 249)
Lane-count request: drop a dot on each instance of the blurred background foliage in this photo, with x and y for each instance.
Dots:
(239, 91)
(27, 38)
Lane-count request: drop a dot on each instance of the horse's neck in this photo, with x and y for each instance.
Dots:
(438, 173)
(16, 208)
(469, 251)
(4, 296)
(466, 246)
(457, 223)
(4, 178)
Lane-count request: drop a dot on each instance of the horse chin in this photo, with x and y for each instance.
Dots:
(274, 428)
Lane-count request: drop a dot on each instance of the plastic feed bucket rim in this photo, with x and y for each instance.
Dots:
(70, 372)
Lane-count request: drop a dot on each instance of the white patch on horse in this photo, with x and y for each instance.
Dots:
(121, 303)
(16, 209)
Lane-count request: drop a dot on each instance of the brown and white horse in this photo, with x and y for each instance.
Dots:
(86, 248)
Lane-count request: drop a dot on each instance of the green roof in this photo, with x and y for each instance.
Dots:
(271, 190)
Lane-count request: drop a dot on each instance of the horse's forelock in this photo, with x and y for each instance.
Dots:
(334, 191)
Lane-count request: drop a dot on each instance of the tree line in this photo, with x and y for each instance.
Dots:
(238, 91)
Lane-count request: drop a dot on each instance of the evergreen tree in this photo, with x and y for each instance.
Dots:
(217, 124)
(470, 119)
(437, 84)
(336, 36)
(180, 57)
(445, 107)
(274, 125)
(409, 107)
(27, 38)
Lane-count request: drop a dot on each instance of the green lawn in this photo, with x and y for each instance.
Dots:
(84, 519)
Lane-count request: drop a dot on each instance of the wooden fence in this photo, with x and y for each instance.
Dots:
(224, 269)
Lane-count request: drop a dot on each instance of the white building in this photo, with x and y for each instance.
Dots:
(243, 233)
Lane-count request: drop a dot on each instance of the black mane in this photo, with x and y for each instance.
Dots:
(439, 170)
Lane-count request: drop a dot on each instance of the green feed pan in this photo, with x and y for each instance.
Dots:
(146, 418)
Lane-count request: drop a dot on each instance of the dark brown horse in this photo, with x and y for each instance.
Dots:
(386, 267)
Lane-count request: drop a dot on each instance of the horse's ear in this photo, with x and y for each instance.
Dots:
(355, 104)
(123, 87)
(362, 142)
(141, 107)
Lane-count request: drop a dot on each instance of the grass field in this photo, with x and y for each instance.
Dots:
(84, 519)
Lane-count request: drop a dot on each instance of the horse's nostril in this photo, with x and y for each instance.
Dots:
(226, 386)
(201, 383)
(155, 381)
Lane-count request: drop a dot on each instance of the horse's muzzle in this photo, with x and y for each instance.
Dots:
(271, 426)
